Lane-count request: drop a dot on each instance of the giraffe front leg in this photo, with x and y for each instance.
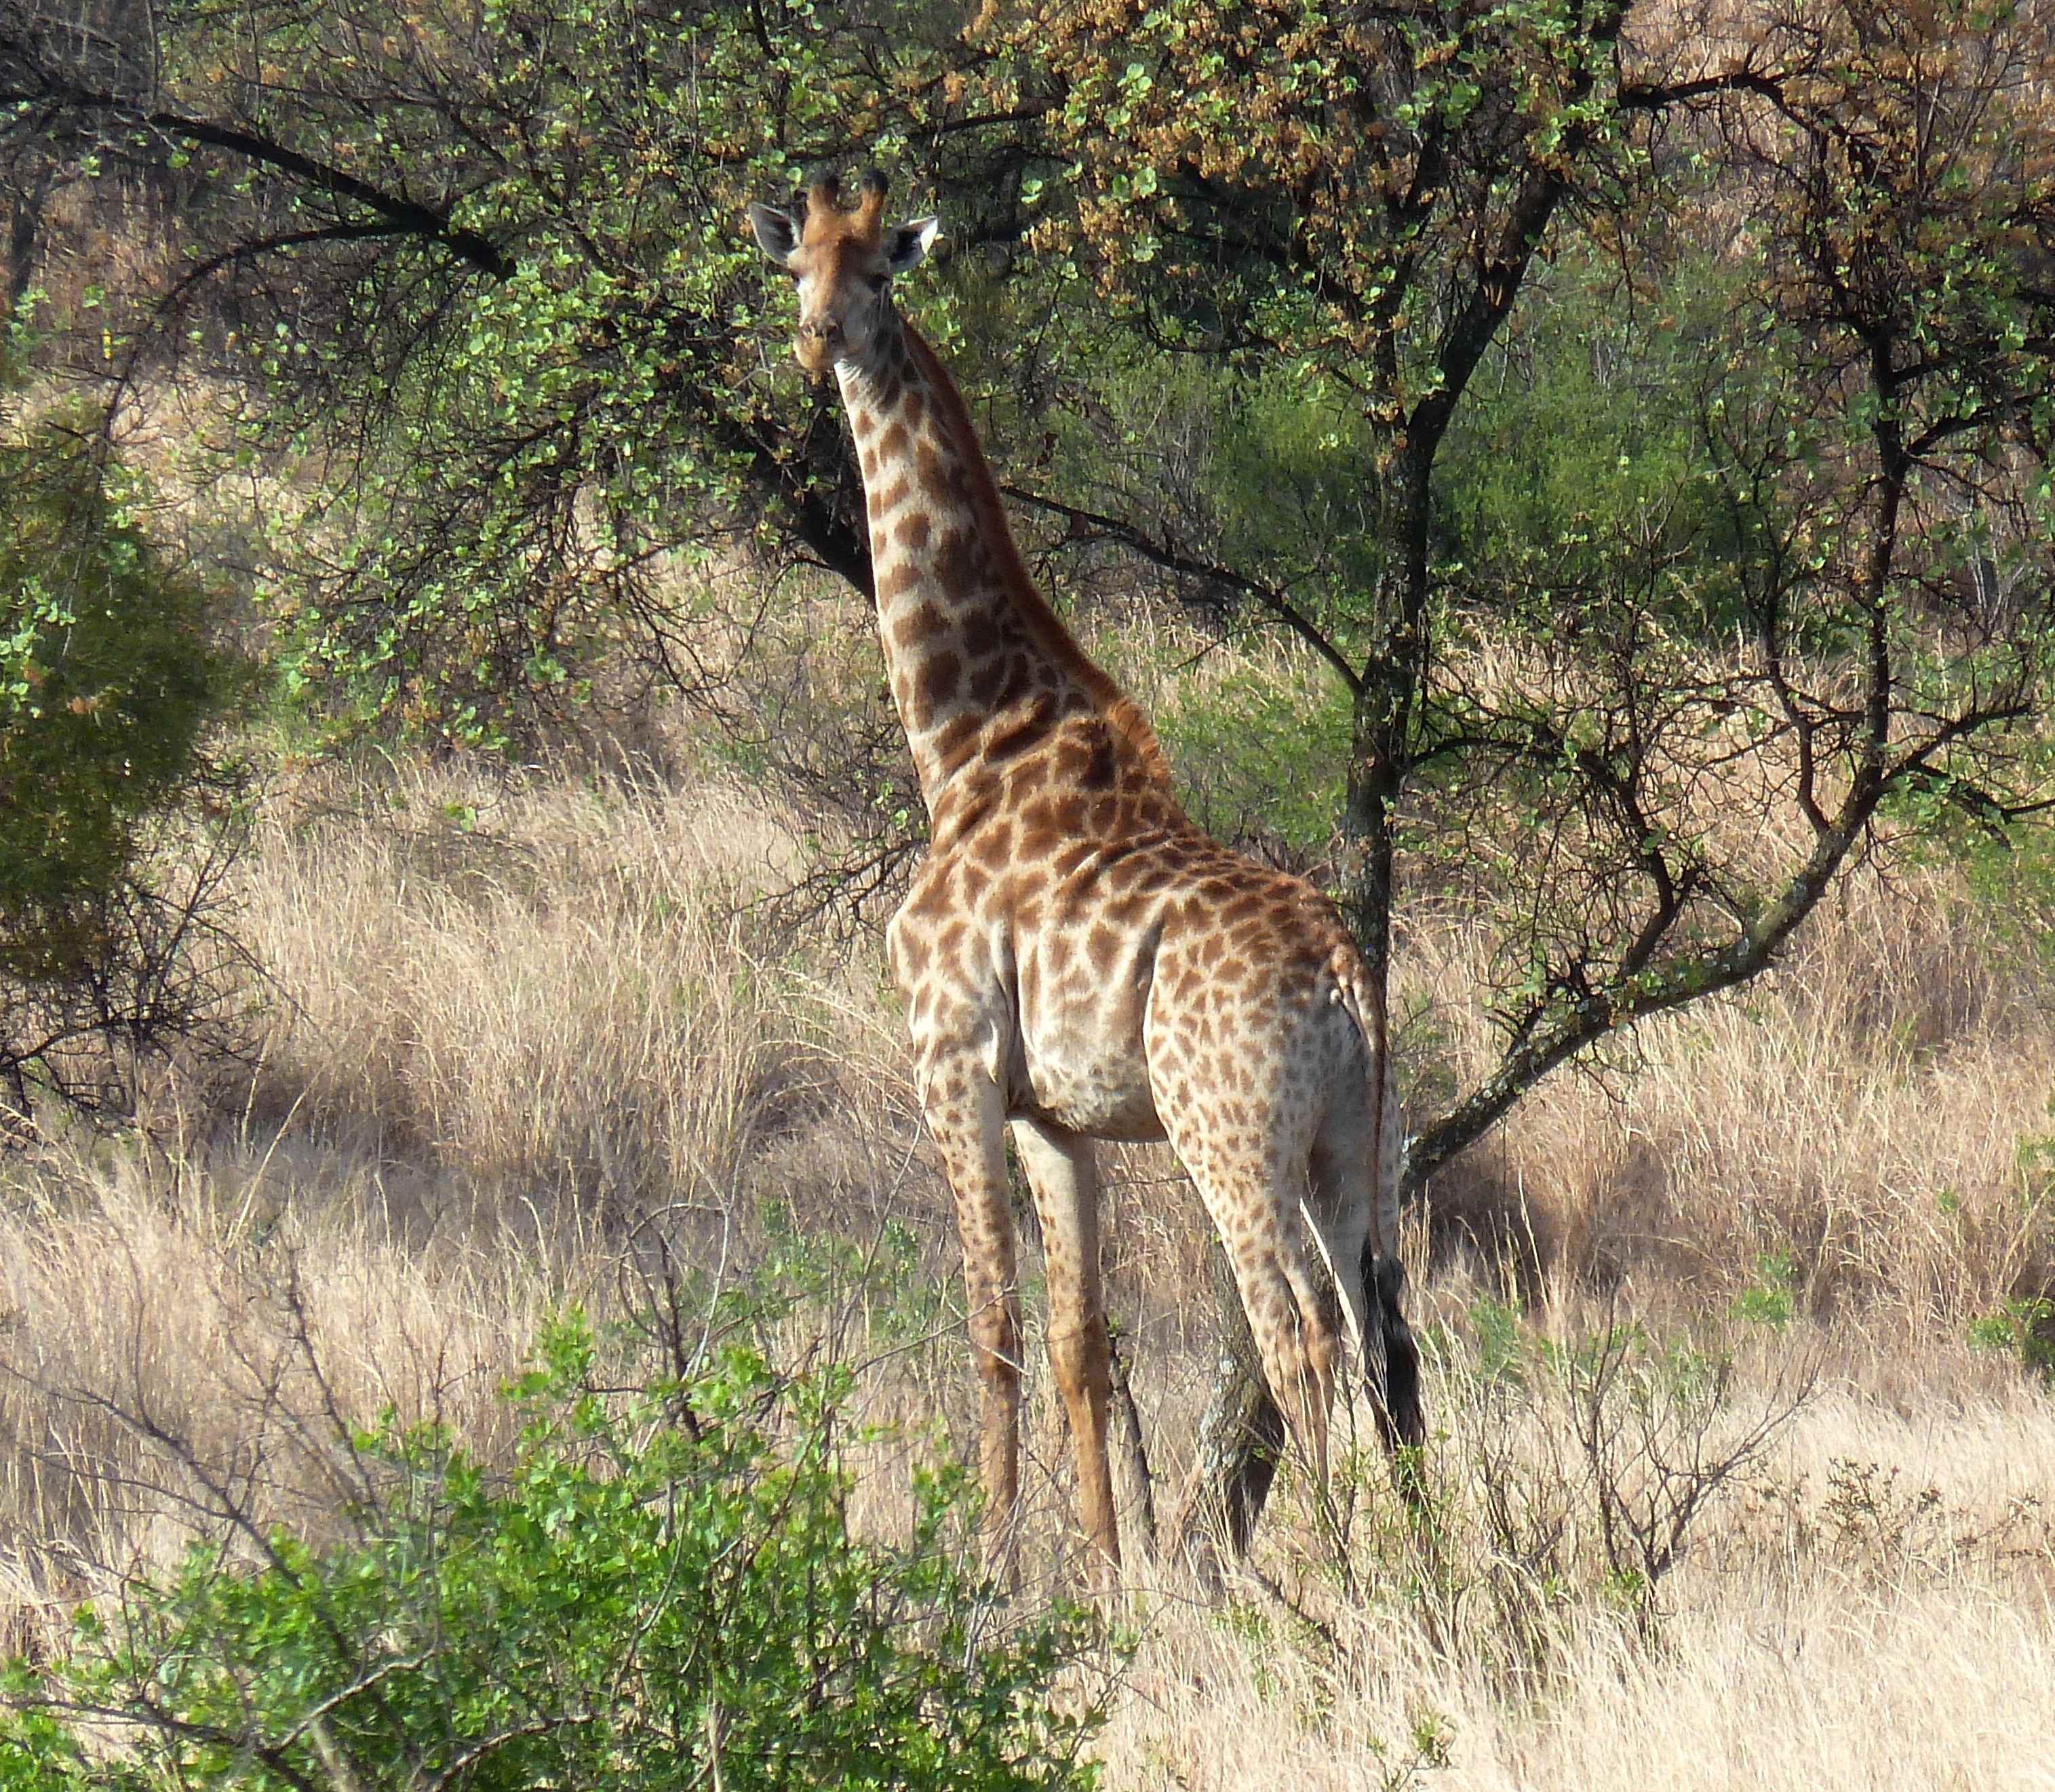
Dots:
(967, 1120)
(1062, 1173)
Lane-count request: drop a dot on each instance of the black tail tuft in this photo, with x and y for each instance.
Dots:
(1399, 1413)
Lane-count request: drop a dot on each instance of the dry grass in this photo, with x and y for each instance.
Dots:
(538, 987)
(1858, 1114)
(1874, 1608)
(510, 1024)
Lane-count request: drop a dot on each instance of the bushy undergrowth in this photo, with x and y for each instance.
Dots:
(1571, 1478)
(112, 682)
(661, 1589)
(109, 681)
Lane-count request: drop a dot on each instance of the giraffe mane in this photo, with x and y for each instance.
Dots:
(1045, 628)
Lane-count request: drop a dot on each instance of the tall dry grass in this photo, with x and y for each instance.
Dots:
(1855, 1120)
(538, 987)
(1876, 1611)
(230, 1305)
(512, 1025)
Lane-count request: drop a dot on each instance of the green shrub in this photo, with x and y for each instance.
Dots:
(1772, 1298)
(1585, 465)
(2024, 1328)
(107, 685)
(1260, 761)
(662, 1591)
(117, 825)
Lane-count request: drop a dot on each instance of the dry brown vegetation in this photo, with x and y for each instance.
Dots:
(512, 1023)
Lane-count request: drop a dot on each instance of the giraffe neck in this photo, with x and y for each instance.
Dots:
(982, 669)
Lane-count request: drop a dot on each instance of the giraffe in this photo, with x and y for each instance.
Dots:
(1078, 959)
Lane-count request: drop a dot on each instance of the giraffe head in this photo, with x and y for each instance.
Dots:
(843, 263)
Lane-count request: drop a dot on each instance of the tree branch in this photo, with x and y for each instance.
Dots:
(1592, 1016)
(35, 84)
(1161, 554)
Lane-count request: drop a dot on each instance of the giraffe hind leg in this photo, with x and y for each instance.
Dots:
(1292, 1304)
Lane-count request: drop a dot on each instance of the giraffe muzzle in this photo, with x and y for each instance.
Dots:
(816, 346)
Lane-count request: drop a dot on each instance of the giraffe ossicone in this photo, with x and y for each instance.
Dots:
(1078, 959)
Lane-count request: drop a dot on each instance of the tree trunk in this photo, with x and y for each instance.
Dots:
(24, 238)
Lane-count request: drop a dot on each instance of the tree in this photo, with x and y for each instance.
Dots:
(1808, 620)
(484, 259)
(1815, 592)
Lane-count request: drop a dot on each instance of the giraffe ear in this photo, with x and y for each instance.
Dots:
(776, 234)
(906, 246)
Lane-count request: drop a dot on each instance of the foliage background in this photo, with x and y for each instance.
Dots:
(1572, 478)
